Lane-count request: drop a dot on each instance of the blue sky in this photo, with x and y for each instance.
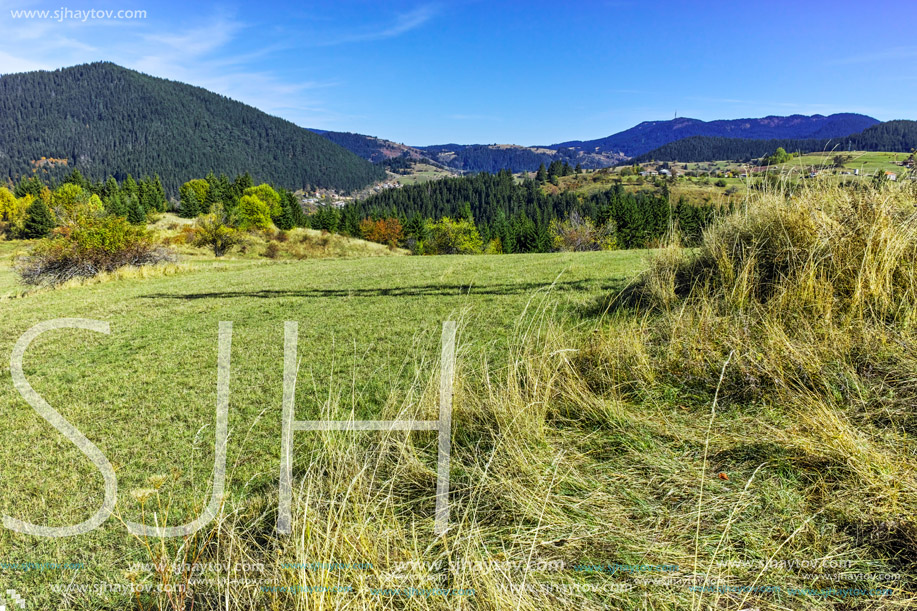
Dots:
(472, 71)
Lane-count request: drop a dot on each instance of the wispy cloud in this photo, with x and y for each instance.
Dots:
(402, 24)
(221, 56)
(221, 53)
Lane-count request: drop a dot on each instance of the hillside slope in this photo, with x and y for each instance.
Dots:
(371, 148)
(107, 120)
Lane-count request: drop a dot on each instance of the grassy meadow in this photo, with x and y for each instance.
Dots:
(421, 172)
(727, 427)
(867, 162)
(369, 333)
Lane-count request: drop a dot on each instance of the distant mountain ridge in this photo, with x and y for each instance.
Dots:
(650, 135)
(106, 120)
(604, 152)
(896, 136)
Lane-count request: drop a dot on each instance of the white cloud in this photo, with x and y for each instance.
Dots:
(402, 24)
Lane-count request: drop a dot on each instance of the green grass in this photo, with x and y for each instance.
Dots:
(422, 172)
(867, 162)
(146, 393)
(693, 190)
(9, 282)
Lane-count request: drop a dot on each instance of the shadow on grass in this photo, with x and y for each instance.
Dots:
(404, 291)
(616, 296)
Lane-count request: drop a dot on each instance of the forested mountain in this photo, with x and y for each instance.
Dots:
(613, 149)
(650, 135)
(104, 120)
(470, 158)
(898, 136)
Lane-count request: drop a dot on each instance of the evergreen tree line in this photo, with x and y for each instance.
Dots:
(132, 199)
(519, 214)
(200, 196)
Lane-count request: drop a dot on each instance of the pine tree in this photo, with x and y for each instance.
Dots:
(29, 186)
(129, 187)
(77, 179)
(38, 222)
(135, 212)
(285, 220)
(114, 204)
(243, 182)
(291, 201)
(152, 195)
(190, 206)
(111, 187)
(542, 175)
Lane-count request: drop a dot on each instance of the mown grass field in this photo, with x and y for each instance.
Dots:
(146, 394)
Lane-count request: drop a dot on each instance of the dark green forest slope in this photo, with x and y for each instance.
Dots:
(894, 136)
(107, 120)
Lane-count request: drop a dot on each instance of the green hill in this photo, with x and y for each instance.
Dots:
(107, 120)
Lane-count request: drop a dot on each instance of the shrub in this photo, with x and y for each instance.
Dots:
(453, 237)
(71, 203)
(212, 231)
(268, 196)
(93, 246)
(14, 212)
(272, 251)
(186, 235)
(577, 234)
(383, 231)
(252, 213)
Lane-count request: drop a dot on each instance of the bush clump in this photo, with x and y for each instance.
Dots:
(90, 247)
(824, 252)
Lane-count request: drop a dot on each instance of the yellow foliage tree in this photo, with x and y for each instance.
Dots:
(12, 210)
